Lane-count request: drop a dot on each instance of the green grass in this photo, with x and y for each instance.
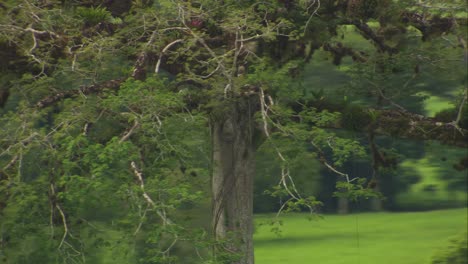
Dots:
(435, 104)
(383, 238)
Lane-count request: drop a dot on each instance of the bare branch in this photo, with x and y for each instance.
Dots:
(285, 173)
(64, 219)
(31, 54)
(41, 33)
(368, 33)
(90, 89)
(141, 222)
(139, 66)
(65, 226)
(139, 176)
(130, 132)
(324, 161)
(263, 112)
(86, 129)
(388, 99)
(460, 109)
(21, 143)
(11, 163)
(168, 46)
(282, 207)
(171, 245)
(456, 122)
(403, 124)
(313, 13)
(211, 73)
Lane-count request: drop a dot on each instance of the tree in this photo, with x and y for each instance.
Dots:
(94, 93)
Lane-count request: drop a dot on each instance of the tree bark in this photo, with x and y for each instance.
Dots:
(343, 206)
(232, 180)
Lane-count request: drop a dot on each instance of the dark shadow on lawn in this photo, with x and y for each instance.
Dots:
(302, 239)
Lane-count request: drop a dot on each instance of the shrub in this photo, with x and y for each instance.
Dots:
(455, 253)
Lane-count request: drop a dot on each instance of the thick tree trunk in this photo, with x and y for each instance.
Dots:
(232, 182)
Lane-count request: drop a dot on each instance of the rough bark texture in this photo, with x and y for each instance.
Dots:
(233, 172)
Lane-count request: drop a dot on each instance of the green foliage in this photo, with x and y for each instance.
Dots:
(356, 117)
(86, 171)
(302, 166)
(341, 148)
(455, 253)
(95, 176)
(355, 191)
(95, 15)
(363, 9)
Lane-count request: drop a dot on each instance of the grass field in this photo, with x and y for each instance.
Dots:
(377, 238)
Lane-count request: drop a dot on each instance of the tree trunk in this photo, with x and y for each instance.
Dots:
(343, 205)
(377, 202)
(232, 181)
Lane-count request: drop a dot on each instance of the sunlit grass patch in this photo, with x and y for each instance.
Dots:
(384, 238)
(435, 104)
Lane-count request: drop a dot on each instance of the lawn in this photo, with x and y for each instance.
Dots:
(383, 238)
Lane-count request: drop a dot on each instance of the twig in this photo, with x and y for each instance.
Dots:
(170, 246)
(11, 163)
(284, 176)
(34, 46)
(313, 13)
(64, 220)
(285, 173)
(263, 112)
(211, 73)
(138, 67)
(456, 122)
(65, 226)
(282, 207)
(141, 222)
(324, 161)
(388, 99)
(460, 109)
(85, 129)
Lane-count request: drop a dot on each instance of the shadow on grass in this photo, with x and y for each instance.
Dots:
(309, 240)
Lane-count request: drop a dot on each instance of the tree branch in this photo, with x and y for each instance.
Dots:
(148, 199)
(339, 51)
(460, 109)
(90, 89)
(130, 132)
(401, 124)
(168, 46)
(323, 160)
(390, 122)
(368, 33)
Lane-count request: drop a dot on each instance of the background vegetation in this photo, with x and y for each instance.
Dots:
(111, 115)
